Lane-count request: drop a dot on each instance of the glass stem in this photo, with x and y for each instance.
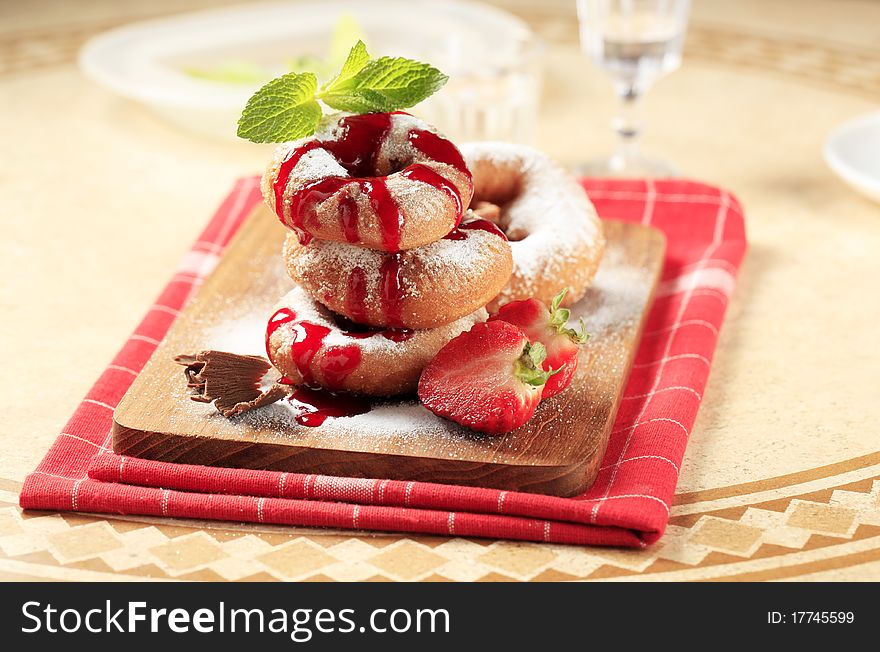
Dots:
(628, 126)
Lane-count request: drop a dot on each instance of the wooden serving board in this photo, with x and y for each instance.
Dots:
(558, 452)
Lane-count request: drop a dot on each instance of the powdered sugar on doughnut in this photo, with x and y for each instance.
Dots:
(396, 146)
(310, 345)
(438, 282)
(556, 236)
(308, 310)
(452, 258)
(408, 185)
(320, 163)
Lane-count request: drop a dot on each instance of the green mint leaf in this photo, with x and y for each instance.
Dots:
(358, 57)
(359, 102)
(385, 84)
(287, 108)
(346, 31)
(284, 109)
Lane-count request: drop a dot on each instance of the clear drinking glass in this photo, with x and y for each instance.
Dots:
(636, 42)
(492, 92)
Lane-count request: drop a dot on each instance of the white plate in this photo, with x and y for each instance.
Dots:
(853, 152)
(481, 49)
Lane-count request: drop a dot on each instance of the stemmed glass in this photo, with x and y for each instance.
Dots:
(636, 42)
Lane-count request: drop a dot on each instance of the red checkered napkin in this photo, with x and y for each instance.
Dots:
(628, 504)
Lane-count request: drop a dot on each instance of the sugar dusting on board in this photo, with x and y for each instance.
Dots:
(244, 335)
(615, 298)
(614, 301)
(402, 419)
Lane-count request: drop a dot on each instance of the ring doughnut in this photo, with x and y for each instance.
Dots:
(418, 288)
(307, 344)
(554, 232)
(384, 181)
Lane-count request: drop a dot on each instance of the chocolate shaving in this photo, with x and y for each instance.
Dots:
(275, 393)
(487, 211)
(230, 381)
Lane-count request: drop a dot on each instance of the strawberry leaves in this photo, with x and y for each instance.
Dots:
(528, 366)
(559, 320)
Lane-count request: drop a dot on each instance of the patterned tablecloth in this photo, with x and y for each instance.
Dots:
(782, 474)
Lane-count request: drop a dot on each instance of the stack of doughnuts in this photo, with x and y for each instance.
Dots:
(389, 262)
(387, 269)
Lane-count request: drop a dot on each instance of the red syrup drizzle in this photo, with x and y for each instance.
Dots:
(390, 294)
(304, 202)
(390, 290)
(358, 331)
(443, 151)
(397, 334)
(308, 340)
(315, 406)
(349, 216)
(276, 321)
(284, 172)
(338, 362)
(356, 297)
(438, 148)
(335, 364)
(386, 209)
(424, 174)
(356, 150)
(479, 224)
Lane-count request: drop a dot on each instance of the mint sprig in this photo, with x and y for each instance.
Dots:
(357, 58)
(287, 108)
(385, 84)
(285, 105)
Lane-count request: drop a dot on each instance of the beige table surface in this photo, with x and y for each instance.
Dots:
(781, 479)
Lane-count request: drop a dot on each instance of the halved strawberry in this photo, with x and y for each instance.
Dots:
(549, 326)
(488, 379)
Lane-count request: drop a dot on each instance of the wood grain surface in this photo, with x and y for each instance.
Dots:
(557, 452)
